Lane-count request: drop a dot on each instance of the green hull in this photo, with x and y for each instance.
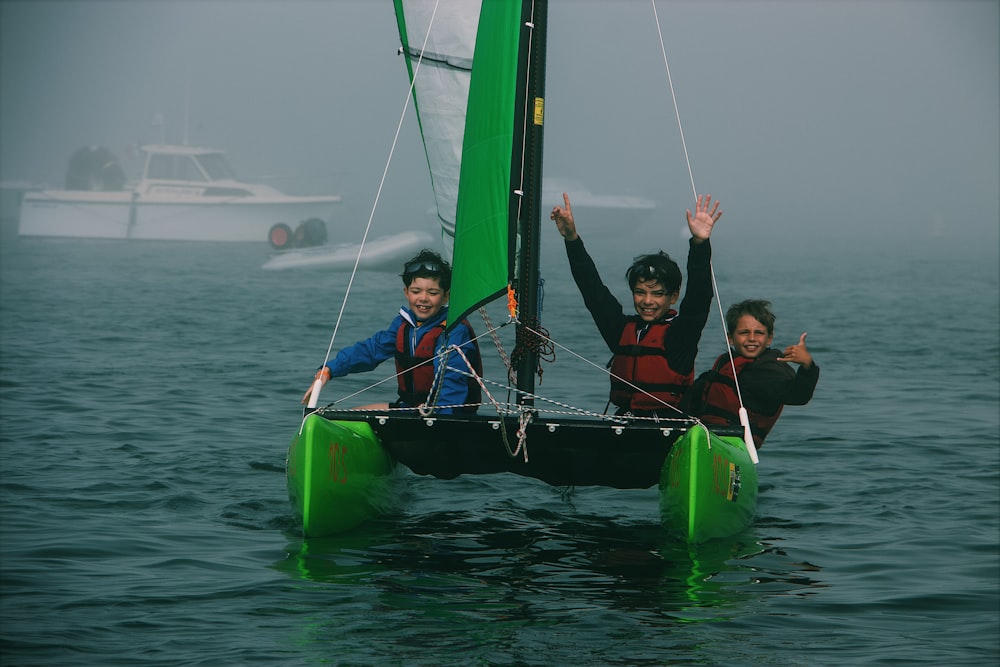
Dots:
(338, 476)
(708, 488)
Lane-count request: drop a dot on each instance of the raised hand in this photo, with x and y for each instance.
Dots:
(797, 354)
(563, 216)
(704, 218)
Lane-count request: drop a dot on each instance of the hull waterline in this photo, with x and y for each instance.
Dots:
(338, 476)
(119, 215)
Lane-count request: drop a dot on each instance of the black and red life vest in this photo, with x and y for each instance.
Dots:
(415, 377)
(719, 403)
(643, 363)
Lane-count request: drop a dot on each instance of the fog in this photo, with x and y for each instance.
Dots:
(872, 122)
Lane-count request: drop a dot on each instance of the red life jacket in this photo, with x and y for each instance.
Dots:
(415, 378)
(643, 363)
(720, 403)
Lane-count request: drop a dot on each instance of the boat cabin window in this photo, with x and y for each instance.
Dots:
(216, 166)
(174, 168)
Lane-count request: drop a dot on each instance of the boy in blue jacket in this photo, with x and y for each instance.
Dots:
(413, 338)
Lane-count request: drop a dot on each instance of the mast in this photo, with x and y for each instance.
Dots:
(530, 117)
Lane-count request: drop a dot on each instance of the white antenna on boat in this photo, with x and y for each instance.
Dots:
(158, 121)
(744, 418)
(187, 104)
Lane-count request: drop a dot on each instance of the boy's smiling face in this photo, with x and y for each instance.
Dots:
(425, 297)
(651, 300)
(750, 338)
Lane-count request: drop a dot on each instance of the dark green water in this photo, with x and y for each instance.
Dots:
(149, 391)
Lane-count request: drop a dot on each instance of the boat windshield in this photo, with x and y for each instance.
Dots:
(217, 167)
(174, 168)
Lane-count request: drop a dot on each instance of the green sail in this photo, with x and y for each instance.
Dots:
(482, 251)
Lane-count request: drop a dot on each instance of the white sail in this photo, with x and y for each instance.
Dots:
(441, 44)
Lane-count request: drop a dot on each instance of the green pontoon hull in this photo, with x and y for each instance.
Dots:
(708, 486)
(338, 475)
(340, 466)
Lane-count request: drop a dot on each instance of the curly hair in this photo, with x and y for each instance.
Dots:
(656, 266)
(427, 264)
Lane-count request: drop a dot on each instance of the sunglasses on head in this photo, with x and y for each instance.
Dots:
(424, 265)
(649, 272)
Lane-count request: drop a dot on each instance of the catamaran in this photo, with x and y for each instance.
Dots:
(487, 173)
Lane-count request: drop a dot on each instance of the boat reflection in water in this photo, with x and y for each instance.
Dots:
(511, 562)
(184, 193)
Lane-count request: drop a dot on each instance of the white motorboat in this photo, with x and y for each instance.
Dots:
(184, 193)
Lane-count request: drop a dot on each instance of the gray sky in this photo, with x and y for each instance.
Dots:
(872, 121)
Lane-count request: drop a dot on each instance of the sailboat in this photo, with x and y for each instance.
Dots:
(341, 463)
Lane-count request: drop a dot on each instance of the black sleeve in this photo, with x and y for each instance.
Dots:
(603, 306)
(682, 339)
(774, 383)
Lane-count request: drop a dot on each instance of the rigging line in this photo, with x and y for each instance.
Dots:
(442, 357)
(381, 185)
(603, 369)
(496, 339)
(519, 189)
(694, 190)
(395, 376)
(673, 97)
